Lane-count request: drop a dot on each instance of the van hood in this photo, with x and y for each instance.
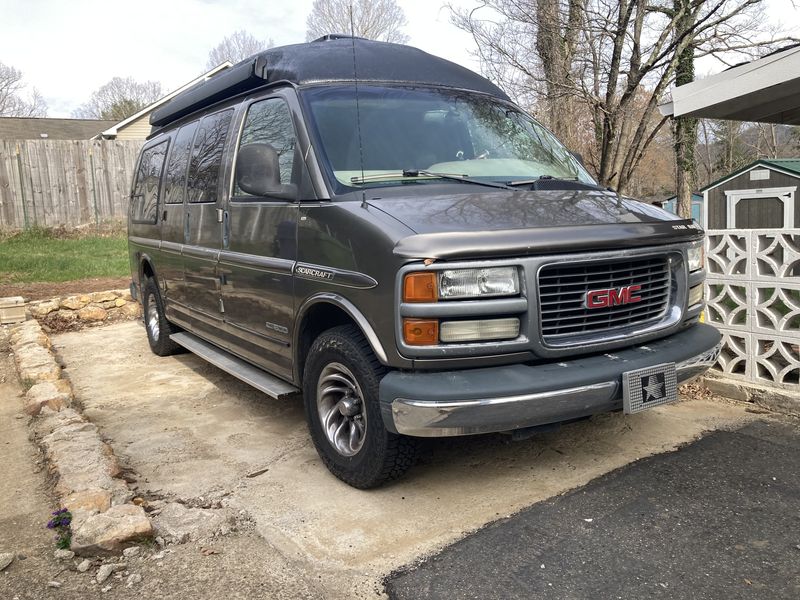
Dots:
(507, 223)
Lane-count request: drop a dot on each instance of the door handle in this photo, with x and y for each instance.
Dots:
(226, 229)
(186, 228)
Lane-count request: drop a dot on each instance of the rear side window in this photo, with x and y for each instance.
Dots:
(202, 184)
(269, 121)
(144, 200)
(175, 175)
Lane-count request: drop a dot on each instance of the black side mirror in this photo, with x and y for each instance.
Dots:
(258, 172)
(579, 157)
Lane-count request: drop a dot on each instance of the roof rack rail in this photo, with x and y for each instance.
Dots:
(337, 36)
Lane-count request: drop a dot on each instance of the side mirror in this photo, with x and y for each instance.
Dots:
(579, 157)
(258, 172)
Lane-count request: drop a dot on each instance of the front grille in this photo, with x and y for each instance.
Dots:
(563, 288)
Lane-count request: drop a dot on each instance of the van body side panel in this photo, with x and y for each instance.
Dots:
(256, 274)
(345, 248)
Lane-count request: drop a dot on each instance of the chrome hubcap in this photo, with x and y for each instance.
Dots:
(342, 413)
(151, 318)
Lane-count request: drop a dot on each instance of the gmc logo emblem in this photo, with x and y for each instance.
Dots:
(612, 297)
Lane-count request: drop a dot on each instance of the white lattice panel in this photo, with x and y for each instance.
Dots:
(753, 297)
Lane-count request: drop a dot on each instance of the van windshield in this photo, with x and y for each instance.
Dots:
(411, 134)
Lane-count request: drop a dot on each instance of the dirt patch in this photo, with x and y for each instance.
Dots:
(192, 432)
(46, 290)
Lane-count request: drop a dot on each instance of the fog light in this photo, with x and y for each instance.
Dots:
(421, 332)
(696, 295)
(479, 331)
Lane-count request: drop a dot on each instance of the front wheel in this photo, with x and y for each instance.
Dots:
(340, 392)
(155, 321)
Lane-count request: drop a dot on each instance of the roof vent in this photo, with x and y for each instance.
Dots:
(337, 36)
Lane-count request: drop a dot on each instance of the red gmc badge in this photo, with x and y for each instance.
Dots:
(612, 297)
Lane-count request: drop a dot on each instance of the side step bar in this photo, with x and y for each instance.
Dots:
(270, 385)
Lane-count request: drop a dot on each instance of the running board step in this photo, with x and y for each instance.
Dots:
(270, 385)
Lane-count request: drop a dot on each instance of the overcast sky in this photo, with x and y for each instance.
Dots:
(69, 48)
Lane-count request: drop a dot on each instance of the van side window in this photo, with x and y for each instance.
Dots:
(203, 180)
(175, 175)
(144, 200)
(270, 121)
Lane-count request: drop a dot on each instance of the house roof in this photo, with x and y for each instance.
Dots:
(111, 132)
(29, 128)
(790, 166)
(696, 197)
(764, 90)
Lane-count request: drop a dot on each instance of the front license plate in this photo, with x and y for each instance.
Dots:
(649, 387)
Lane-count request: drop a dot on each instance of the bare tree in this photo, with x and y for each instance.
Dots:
(610, 60)
(119, 99)
(372, 19)
(236, 47)
(13, 99)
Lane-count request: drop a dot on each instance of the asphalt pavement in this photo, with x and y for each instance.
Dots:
(718, 518)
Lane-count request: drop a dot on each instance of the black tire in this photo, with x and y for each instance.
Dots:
(155, 321)
(382, 455)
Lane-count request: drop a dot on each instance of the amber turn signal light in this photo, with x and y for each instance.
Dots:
(421, 332)
(420, 287)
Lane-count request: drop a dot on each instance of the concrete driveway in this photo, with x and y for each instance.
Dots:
(189, 431)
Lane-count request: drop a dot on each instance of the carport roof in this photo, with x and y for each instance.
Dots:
(766, 90)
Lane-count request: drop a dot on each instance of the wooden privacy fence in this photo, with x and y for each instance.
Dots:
(49, 183)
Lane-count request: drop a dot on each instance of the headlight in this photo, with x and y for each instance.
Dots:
(478, 283)
(695, 256)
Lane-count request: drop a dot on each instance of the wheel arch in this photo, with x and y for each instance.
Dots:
(322, 312)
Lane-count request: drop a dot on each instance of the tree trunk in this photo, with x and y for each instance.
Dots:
(685, 128)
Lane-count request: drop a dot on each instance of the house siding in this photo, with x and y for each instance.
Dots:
(717, 209)
(135, 130)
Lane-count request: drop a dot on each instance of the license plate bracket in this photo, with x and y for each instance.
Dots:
(649, 387)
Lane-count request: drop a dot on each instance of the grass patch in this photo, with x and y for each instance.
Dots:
(48, 256)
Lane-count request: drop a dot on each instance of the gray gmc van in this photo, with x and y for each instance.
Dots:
(386, 233)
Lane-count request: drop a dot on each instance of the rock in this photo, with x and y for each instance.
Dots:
(178, 524)
(111, 530)
(131, 309)
(54, 584)
(6, 558)
(66, 316)
(120, 302)
(74, 302)
(35, 364)
(131, 552)
(108, 304)
(92, 313)
(92, 500)
(53, 394)
(133, 579)
(106, 589)
(102, 296)
(62, 554)
(32, 334)
(84, 565)
(158, 556)
(160, 541)
(105, 571)
(42, 309)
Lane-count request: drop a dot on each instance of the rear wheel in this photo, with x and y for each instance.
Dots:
(340, 391)
(155, 321)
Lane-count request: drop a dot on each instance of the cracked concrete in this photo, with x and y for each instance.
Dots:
(189, 431)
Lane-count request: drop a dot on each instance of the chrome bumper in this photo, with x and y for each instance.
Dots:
(436, 418)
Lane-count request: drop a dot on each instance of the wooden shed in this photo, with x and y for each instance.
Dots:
(761, 195)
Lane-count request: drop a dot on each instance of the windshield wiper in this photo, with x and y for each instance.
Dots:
(423, 174)
(538, 179)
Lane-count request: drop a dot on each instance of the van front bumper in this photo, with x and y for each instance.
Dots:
(484, 400)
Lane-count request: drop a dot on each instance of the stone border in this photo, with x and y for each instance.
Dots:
(73, 312)
(88, 476)
(781, 401)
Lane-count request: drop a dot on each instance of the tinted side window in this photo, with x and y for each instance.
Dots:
(144, 201)
(269, 121)
(175, 175)
(203, 179)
